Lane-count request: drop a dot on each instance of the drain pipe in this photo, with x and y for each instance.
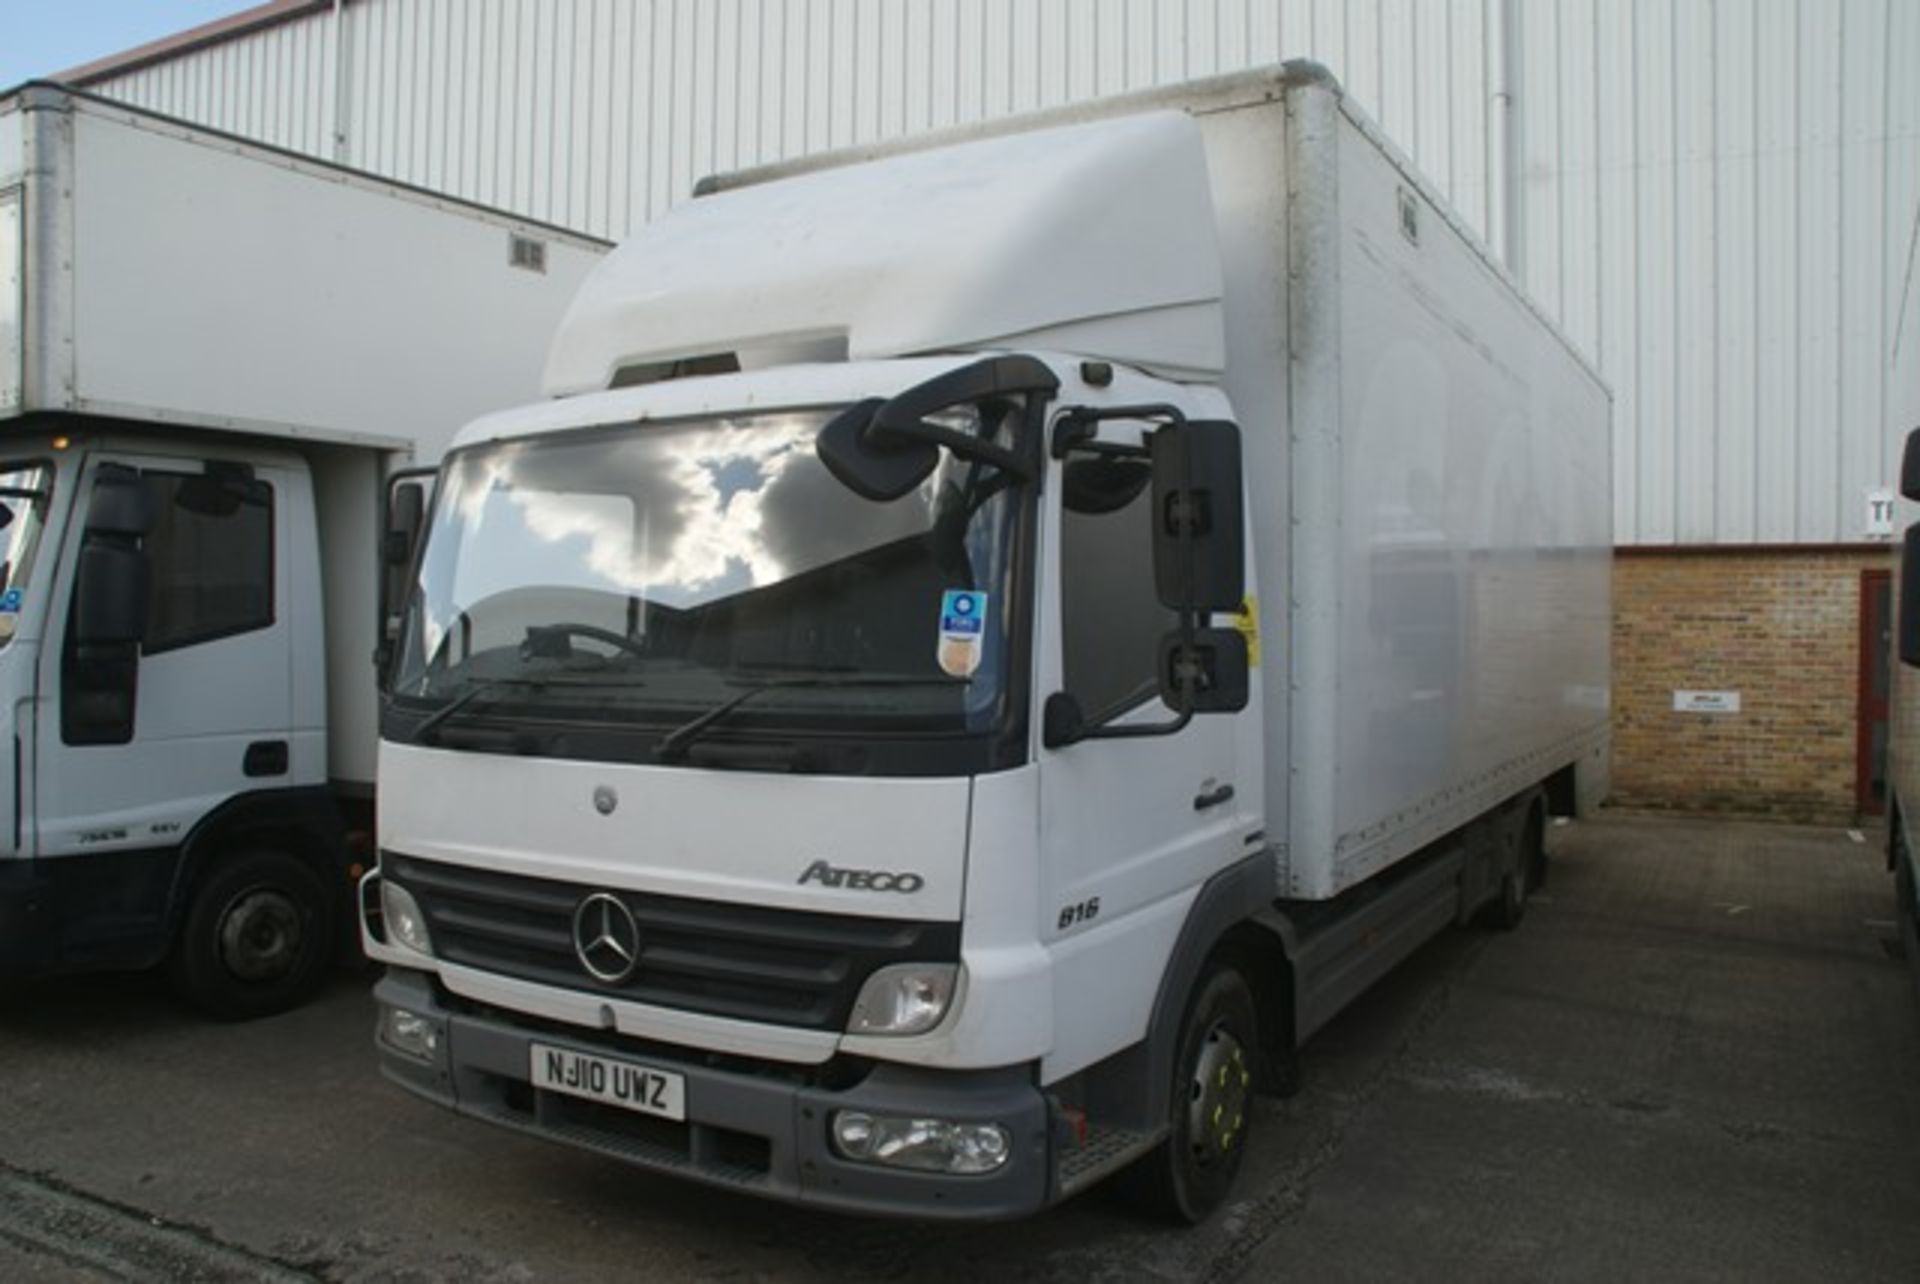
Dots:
(1502, 51)
(342, 153)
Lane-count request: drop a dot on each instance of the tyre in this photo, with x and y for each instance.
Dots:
(258, 937)
(1907, 911)
(1210, 1105)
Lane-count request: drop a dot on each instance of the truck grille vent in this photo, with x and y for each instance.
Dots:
(746, 962)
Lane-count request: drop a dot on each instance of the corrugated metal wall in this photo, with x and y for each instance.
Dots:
(1718, 200)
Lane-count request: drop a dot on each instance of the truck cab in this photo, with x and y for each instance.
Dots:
(817, 725)
(163, 671)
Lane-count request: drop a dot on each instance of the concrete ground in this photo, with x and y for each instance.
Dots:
(1696, 1059)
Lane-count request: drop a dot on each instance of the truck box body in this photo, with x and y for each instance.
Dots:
(1423, 466)
(166, 275)
(266, 339)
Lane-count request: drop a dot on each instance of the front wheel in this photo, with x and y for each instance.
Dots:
(1210, 1106)
(258, 937)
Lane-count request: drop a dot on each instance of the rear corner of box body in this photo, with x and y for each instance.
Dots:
(1314, 475)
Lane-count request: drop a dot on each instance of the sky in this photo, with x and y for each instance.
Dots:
(44, 37)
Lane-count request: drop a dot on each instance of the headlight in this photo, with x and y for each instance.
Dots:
(404, 921)
(907, 998)
(930, 1145)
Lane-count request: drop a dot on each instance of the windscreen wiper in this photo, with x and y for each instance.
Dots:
(673, 745)
(482, 688)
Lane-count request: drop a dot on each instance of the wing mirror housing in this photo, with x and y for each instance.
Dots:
(110, 596)
(120, 506)
(1910, 467)
(1205, 671)
(882, 450)
(1199, 558)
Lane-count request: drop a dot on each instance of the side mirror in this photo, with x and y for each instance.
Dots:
(1909, 606)
(875, 466)
(1910, 467)
(881, 450)
(121, 505)
(110, 596)
(1199, 558)
(400, 531)
(406, 510)
(1205, 672)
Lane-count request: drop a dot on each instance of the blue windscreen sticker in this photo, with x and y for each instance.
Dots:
(963, 627)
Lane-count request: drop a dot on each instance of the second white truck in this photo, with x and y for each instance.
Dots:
(996, 641)
(214, 359)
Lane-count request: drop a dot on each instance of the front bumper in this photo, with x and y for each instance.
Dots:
(761, 1135)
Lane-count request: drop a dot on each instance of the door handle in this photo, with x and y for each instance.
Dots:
(265, 758)
(1213, 797)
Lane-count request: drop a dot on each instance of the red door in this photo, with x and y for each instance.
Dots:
(1876, 639)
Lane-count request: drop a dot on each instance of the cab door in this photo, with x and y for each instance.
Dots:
(1131, 827)
(149, 727)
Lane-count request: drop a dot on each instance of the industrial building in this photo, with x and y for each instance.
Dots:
(1719, 203)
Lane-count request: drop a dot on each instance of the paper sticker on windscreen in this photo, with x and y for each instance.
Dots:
(963, 628)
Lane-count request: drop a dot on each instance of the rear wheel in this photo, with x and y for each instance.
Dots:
(1210, 1105)
(258, 937)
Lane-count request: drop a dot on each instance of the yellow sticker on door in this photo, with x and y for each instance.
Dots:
(1247, 623)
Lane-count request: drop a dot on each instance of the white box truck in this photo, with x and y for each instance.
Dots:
(213, 357)
(996, 639)
(1903, 740)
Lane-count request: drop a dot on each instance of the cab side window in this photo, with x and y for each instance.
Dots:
(1112, 620)
(210, 553)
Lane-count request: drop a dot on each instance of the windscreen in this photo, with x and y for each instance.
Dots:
(645, 574)
(25, 490)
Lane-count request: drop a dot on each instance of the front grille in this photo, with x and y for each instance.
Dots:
(748, 962)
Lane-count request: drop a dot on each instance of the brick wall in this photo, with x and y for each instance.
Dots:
(1782, 629)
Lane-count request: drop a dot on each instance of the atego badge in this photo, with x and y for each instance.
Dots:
(861, 880)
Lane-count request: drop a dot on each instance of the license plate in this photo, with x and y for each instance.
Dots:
(617, 1083)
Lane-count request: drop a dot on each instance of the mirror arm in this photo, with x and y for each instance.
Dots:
(1134, 731)
(1006, 376)
(1097, 727)
(1075, 428)
(962, 444)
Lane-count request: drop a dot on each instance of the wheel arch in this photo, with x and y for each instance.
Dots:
(1231, 919)
(305, 823)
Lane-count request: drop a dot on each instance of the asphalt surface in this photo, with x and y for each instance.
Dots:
(1698, 1058)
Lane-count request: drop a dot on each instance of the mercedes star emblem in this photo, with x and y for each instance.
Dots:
(605, 938)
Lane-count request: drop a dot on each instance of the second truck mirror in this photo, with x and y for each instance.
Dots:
(110, 596)
(1910, 467)
(406, 509)
(400, 532)
(1199, 560)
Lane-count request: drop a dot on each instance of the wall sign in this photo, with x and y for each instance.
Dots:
(1706, 702)
(1880, 513)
